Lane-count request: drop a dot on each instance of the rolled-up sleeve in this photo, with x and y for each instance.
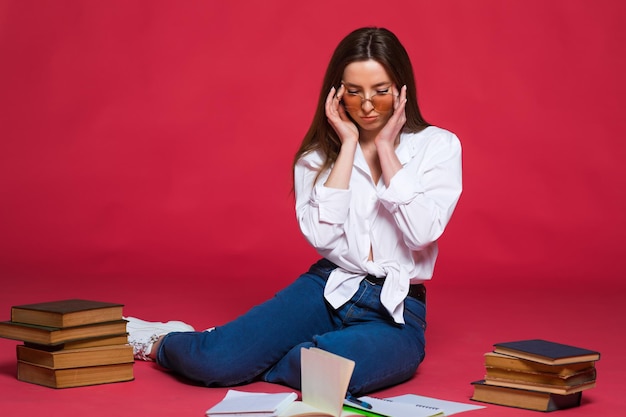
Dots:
(422, 196)
(321, 211)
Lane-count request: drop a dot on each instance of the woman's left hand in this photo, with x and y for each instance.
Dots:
(386, 140)
(390, 132)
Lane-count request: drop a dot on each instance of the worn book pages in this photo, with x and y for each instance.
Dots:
(252, 404)
(325, 379)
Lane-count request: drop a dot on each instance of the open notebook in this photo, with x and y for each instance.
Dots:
(251, 404)
(325, 380)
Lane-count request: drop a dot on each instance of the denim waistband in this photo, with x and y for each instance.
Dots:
(324, 267)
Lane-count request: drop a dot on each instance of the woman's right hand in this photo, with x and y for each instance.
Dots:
(338, 118)
(348, 133)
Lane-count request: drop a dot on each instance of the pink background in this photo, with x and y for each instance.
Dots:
(154, 139)
(145, 147)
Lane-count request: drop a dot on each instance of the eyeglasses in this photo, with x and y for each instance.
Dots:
(382, 101)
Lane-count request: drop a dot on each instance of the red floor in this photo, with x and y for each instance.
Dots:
(463, 324)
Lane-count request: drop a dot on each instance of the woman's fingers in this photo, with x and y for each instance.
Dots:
(399, 106)
(329, 101)
(339, 94)
(337, 116)
(400, 98)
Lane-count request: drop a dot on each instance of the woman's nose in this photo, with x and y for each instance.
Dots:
(367, 105)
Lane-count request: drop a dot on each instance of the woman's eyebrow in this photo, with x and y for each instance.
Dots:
(380, 84)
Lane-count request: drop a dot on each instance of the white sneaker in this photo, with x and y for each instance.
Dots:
(142, 334)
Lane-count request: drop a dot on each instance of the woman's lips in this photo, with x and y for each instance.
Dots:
(369, 119)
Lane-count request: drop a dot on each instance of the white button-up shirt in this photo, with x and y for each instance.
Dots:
(400, 223)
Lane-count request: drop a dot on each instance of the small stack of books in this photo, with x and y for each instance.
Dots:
(70, 343)
(536, 375)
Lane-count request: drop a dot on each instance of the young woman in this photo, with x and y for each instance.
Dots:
(375, 186)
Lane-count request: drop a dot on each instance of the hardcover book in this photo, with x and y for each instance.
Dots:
(66, 313)
(55, 335)
(74, 377)
(521, 398)
(547, 352)
(497, 360)
(554, 389)
(499, 374)
(119, 339)
(76, 358)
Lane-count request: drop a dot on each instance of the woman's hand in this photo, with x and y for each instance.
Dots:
(385, 141)
(337, 117)
(348, 133)
(391, 131)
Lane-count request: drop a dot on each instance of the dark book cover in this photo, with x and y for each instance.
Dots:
(546, 351)
(66, 306)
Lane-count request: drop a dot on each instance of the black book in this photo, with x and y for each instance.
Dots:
(547, 352)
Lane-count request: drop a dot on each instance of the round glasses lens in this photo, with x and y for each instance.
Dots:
(352, 101)
(382, 102)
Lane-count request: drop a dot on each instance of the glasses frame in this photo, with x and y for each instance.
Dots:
(364, 99)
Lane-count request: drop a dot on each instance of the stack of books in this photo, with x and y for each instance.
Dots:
(70, 343)
(536, 375)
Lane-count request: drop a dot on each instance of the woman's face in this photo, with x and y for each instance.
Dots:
(369, 94)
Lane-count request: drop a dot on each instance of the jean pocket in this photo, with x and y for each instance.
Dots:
(415, 313)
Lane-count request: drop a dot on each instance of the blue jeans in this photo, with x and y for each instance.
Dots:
(264, 344)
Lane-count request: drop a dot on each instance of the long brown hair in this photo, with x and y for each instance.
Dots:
(363, 44)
